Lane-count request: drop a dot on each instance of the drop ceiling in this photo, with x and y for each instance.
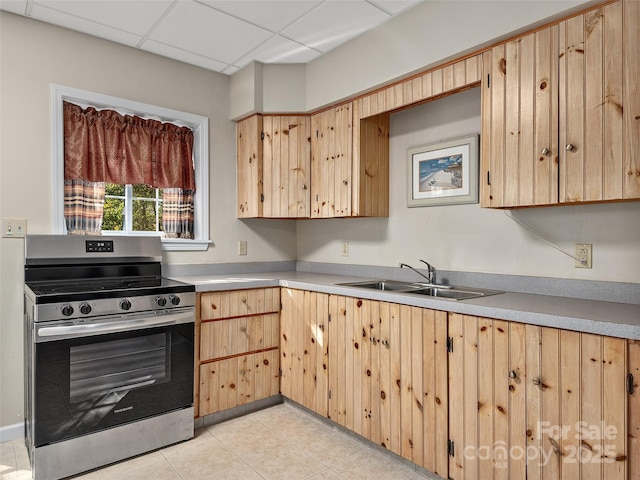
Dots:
(219, 35)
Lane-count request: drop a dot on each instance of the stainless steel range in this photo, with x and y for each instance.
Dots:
(108, 352)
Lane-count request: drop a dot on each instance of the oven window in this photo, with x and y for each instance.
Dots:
(118, 366)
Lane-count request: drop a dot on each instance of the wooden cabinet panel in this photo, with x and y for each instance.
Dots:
(239, 303)
(304, 348)
(370, 186)
(249, 167)
(238, 355)
(519, 122)
(273, 166)
(227, 337)
(591, 105)
(331, 161)
(631, 111)
(560, 116)
(391, 382)
(238, 380)
(573, 422)
(286, 166)
(634, 410)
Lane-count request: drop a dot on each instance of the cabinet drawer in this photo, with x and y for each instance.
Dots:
(227, 337)
(239, 380)
(239, 303)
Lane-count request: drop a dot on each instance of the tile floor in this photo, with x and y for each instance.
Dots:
(279, 443)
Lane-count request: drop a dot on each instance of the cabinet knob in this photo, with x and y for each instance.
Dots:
(569, 147)
(544, 151)
(385, 343)
(244, 300)
(304, 187)
(513, 374)
(321, 327)
(345, 182)
(243, 329)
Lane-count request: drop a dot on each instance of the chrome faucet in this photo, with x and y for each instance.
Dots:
(432, 272)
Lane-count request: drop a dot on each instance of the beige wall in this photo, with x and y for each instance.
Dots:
(34, 55)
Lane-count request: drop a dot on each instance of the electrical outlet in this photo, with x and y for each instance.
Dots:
(583, 255)
(14, 227)
(345, 249)
(242, 247)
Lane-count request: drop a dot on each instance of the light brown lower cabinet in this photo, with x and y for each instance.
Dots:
(238, 357)
(304, 348)
(538, 403)
(376, 368)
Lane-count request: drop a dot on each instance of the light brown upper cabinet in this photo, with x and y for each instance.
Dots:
(274, 166)
(561, 114)
(349, 163)
(331, 159)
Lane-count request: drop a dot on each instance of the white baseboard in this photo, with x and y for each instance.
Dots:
(11, 432)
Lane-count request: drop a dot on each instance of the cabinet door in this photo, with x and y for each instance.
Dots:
(535, 403)
(331, 162)
(388, 379)
(634, 409)
(238, 380)
(519, 122)
(249, 166)
(591, 105)
(286, 149)
(305, 348)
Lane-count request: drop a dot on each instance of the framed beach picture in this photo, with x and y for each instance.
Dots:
(443, 173)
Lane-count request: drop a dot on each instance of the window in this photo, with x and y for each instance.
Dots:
(132, 209)
(135, 209)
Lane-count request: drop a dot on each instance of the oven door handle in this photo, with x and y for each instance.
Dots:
(116, 324)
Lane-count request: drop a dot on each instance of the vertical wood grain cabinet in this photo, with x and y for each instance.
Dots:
(273, 165)
(239, 348)
(313, 167)
(536, 402)
(561, 113)
(376, 368)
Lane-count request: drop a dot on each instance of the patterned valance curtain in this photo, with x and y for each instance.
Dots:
(103, 146)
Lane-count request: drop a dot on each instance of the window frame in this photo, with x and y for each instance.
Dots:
(198, 123)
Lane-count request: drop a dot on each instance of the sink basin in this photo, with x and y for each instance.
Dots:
(386, 285)
(438, 291)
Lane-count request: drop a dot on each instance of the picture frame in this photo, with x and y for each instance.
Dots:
(443, 173)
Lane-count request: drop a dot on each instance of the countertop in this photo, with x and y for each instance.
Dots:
(590, 316)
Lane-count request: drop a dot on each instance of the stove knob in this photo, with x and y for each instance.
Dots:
(161, 301)
(67, 310)
(85, 308)
(174, 299)
(125, 304)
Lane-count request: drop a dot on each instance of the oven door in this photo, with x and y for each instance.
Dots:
(94, 376)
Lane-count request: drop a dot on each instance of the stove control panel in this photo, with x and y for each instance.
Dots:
(88, 309)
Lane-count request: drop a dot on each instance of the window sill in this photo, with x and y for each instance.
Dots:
(177, 244)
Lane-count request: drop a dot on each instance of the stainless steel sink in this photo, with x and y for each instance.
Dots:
(438, 291)
(386, 285)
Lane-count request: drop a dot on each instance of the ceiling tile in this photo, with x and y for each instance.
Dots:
(14, 6)
(334, 23)
(187, 57)
(204, 31)
(279, 50)
(85, 26)
(131, 16)
(273, 15)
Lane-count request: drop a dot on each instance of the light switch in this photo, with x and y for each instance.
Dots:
(14, 227)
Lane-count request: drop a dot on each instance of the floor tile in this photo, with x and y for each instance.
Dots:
(369, 464)
(279, 443)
